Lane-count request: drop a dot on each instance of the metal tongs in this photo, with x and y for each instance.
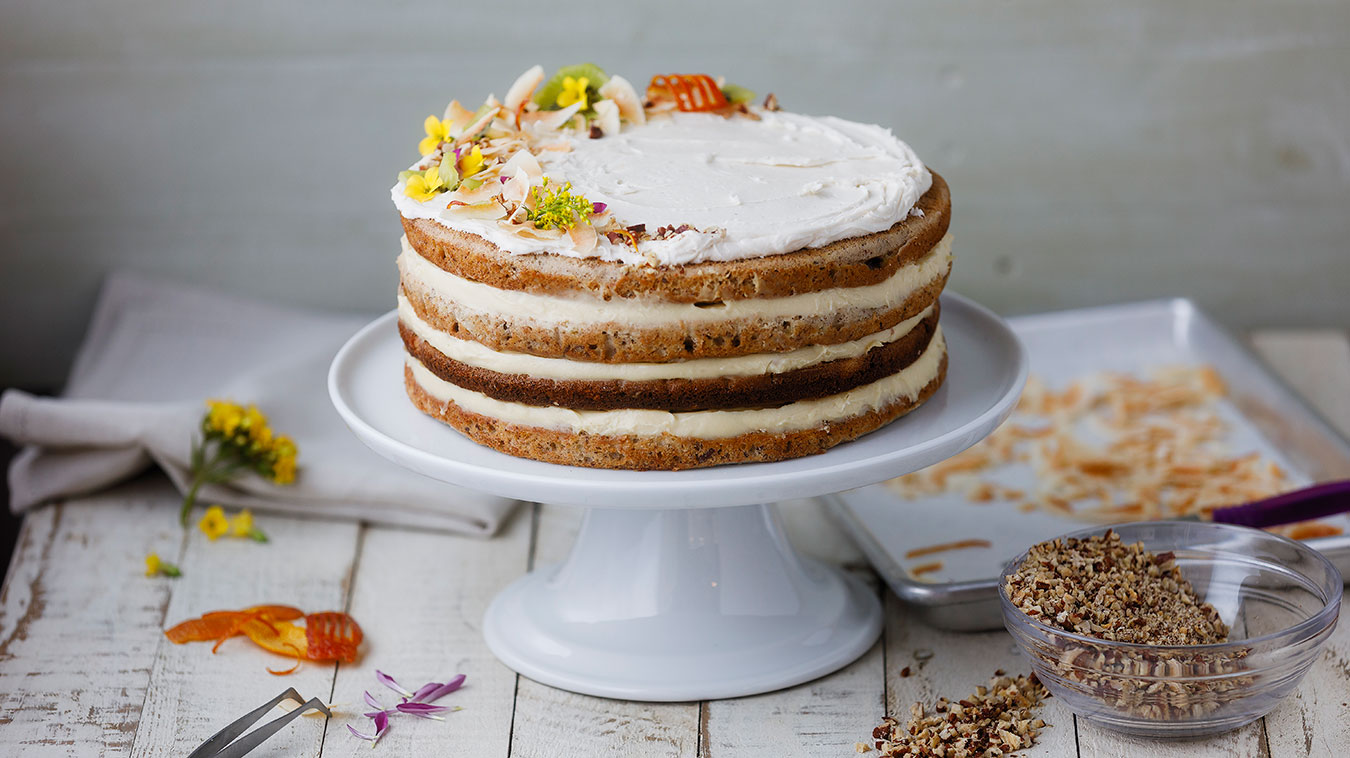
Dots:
(223, 744)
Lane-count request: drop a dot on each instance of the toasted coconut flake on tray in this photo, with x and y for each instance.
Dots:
(1112, 447)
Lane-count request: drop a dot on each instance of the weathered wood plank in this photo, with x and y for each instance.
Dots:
(951, 665)
(420, 597)
(193, 693)
(552, 723)
(79, 624)
(1095, 742)
(1313, 722)
(822, 717)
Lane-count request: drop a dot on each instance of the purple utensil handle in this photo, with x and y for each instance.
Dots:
(1312, 502)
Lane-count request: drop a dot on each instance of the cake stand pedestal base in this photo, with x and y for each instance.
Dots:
(683, 604)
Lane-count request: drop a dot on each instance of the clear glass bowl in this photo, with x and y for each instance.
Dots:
(1279, 598)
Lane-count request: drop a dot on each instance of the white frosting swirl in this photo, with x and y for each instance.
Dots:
(752, 187)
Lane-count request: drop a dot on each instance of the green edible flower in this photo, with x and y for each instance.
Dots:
(557, 208)
(595, 77)
(736, 94)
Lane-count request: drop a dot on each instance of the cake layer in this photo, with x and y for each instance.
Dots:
(854, 262)
(814, 380)
(647, 440)
(471, 353)
(625, 331)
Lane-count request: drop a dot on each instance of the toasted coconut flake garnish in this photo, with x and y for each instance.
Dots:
(1155, 448)
(458, 116)
(622, 93)
(517, 187)
(584, 238)
(548, 121)
(606, 117)
(490, 209)
(521, 92)
(523, 160)
(471, 196)
(477, 126)
(527, 231)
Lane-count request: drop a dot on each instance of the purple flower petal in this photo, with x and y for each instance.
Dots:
(420, 709)
(425, 690)
(598, 208)
(372, 702)
(444, 689)
(389, 682)
(362, 735)
(381, 723)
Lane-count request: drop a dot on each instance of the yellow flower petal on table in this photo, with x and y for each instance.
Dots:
(438, 131)
(156, 567)
(242, 524)
(472, 162)
(573, 91)
(214, 524)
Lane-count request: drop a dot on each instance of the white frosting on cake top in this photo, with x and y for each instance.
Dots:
(749, 188)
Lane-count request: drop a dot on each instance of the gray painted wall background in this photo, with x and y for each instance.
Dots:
(1097, 152)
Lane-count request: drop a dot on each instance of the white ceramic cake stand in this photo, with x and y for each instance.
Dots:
(681, 584)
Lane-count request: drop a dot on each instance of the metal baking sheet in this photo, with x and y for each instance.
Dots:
(1262, 412)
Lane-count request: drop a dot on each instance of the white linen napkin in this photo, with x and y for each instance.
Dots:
(136, 395)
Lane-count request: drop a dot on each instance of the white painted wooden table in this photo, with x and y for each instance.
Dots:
(85, 669)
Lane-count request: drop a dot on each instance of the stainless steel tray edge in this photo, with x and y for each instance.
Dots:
(959, 606)
(974, 606)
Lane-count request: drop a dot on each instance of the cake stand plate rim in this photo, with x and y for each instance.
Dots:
(366, 388)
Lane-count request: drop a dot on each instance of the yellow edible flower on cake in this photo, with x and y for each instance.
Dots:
(438, 131)
(573, 91)
(214, 524)
(424, 186)
(472, 162)
(152, 564)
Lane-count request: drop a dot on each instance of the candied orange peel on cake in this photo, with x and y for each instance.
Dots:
(325, 636)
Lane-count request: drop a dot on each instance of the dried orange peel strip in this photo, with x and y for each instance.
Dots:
(691, 92)
(217, 624)
(326, 636)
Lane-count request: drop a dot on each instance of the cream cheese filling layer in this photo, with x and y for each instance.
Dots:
(420, 273)
(803, 414)
(475, 354)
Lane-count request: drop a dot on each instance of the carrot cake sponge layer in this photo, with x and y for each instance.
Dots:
(669, 279)
(645, 439)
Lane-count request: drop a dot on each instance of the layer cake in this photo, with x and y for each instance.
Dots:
(676, 280)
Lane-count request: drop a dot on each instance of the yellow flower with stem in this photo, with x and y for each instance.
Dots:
(438, 131)
(574, 91)
(154, 566)
(241, 525)
(235, 440)
(426, 185)
(223, 416)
